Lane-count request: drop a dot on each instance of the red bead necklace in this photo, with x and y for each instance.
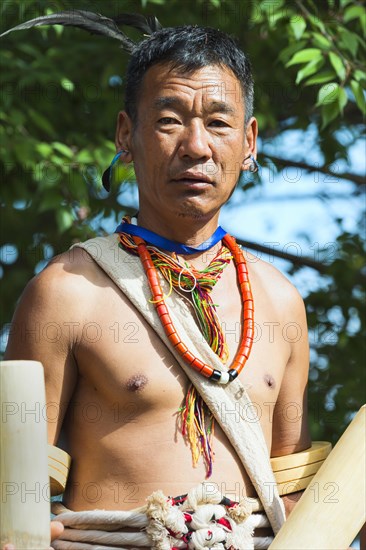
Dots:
(169, 328)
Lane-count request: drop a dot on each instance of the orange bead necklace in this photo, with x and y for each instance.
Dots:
(247, 322)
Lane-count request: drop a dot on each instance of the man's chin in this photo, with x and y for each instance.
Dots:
(192, 210)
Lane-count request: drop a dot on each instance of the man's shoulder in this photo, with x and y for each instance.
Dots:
(81, 273)
(70, 291)
(67, 266)
(77, 261)
(273, 283)
(69, 276)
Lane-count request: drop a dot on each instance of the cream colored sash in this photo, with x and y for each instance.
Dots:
(227, 402)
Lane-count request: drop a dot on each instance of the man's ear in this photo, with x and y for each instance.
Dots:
(123, 138)
(251, 133)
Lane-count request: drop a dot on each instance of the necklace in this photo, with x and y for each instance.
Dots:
(170, 330)
(193, 286)
(197, 422)
(131, 228)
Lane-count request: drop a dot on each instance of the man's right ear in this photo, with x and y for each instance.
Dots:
(123, 139)
(123, 151)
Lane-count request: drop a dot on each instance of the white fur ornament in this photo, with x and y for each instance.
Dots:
(206, 514)
(213, 538)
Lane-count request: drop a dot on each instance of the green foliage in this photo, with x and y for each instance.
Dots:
(62, 89)
(336, 318)
(322, 37)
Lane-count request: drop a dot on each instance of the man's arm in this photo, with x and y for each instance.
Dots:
(363, 538)
(290, 431)
(40, 331)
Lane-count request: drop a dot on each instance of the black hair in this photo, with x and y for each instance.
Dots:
(187, 48)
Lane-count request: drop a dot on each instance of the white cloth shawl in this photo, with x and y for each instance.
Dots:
(225, 402)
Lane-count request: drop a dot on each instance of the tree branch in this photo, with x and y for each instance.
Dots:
(296, 260)
(355, 178)
(298, 197)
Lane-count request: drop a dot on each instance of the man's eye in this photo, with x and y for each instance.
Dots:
(167, 120)
(219, 123)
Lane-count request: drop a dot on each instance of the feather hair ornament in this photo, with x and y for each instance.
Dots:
(95, 24)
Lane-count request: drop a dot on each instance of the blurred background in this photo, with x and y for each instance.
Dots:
(304, 211)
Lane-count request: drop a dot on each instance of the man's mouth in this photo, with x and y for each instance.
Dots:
(195, 179)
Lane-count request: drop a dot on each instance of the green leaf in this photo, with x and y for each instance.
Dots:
(363, 24)
(67, 85)
(328, 94)
(309, 69)
(271, 7)
(329, 112)
(59, 29)
(41, 121)
(272, 19)
(359, 75)
(317, 22)
(324, 76)
(63, 149)
(298, 26)
(28, 49)
(286, 53)
(337, 65)
(44, 149)
(84, 156)
(321, 41)
(309, 54)
(345, 2)
(348, 41)
(359, 95)
(342, 99)
(332, 99)
(353, 12)
(64, 219)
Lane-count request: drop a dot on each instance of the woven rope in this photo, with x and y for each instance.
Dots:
(199, 523)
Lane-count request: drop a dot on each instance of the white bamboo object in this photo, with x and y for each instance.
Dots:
(331, 511)
(59, 463)
(25, 505)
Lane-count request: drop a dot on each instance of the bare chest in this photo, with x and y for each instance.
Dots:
(123, 361)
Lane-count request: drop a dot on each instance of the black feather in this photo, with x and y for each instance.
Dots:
(86, 20)
(147, 25)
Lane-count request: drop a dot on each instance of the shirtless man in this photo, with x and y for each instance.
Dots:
(115, 385)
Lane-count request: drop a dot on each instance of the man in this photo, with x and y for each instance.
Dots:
(116, 385)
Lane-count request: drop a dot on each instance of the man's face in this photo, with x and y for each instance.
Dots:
(189, 142)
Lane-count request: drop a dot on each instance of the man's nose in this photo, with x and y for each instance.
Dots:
(195, 141)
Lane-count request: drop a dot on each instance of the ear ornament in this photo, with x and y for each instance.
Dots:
(107, 176)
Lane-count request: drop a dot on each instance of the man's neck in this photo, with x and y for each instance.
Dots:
(188, 231)
(201, 260)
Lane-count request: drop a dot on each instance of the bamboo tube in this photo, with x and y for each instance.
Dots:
(58, 469)
(25, 502)
(319, 450)
(331, 511)
(294, 474)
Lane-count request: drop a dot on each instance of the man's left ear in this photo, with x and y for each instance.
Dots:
(250, 150)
